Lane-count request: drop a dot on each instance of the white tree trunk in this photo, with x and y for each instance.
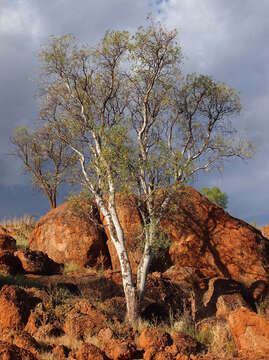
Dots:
(144, 265)
(117, 237)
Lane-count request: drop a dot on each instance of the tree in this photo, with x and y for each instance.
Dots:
(216, 196)
(45, 157)
(137, 125)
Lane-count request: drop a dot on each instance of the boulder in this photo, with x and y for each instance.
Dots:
(220, 295)
(15, 306)
(83, 321)
(25, 341)
(185, 343)
(89, 352)
(36, 262)
(228, 303)
(154, 337)
(7, 242)
(60, 352)
(250, 332)
(13, 352)
(9, 263)
(120, 350)
(68, 237)
(210, 242)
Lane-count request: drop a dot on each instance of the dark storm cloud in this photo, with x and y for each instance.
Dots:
(229, 42)
(225, 40)
(25, 25)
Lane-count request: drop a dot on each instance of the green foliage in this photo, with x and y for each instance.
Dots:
(216, 196)
(45, 157)
(135, 123)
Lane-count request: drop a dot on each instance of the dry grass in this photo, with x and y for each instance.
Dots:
(221, 341)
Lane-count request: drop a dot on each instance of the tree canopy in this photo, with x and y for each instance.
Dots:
(137, 125)
(216, 196)
(47, 159)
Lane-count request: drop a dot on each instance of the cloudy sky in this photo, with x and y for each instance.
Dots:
(228, 41)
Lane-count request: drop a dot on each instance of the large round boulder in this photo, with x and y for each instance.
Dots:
(67, 236)
(209, 241)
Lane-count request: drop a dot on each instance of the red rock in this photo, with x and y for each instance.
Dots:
(207, 239)
(9, 263)
(89, 352)
(105, 335)
(120, 350)
(70, 239)
(154, 337)
(83, 321)
(36, 319)
(60, 352)
(14, 307)
(227, 303)
(250, 332)
(7, 242)
(25, 341)
(36, 262)
(185, 343)
(13, 352)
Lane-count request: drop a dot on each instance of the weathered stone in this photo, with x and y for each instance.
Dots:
(36, 262)
(89, 352)
(83, 321)
(250, 332)
(15, 306)
(185, 343)
(154, 337)
(227, 303)
(25, 341)
(60, 352)
(213, 243)
(120, 350)
(9, 263)
(70, 238)
(7, 242)
(204, 301)
(13, 352)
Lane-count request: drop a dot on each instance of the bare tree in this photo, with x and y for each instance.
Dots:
(46, 158)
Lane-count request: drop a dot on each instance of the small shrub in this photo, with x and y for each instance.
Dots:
(60, 302)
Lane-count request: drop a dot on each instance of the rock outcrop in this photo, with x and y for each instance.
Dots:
(70, 238)
(209, 241)
(15, 306)
(206, 242)
(9, 263)
(7, 242)
(250, 332)
(36, 262)
(13, 352)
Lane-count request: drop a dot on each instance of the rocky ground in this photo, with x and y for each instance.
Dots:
(207, 296)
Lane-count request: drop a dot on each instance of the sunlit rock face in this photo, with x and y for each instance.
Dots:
(70, 239)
